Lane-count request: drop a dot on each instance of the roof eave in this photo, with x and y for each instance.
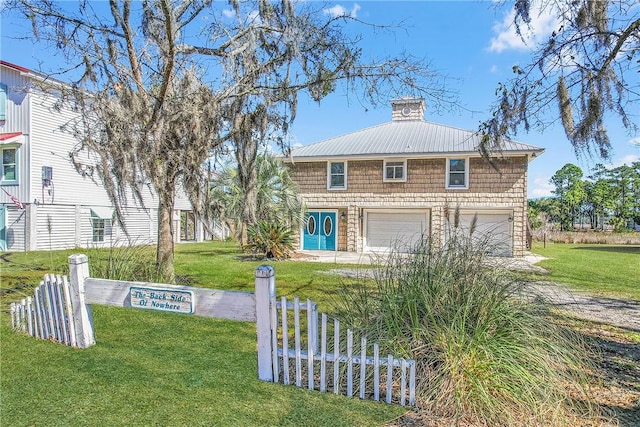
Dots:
(531, 154)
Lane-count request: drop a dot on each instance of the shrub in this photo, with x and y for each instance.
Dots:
(619, 224)
(271, 239)
(485, 351)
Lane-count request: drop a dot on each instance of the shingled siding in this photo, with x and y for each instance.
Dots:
(423, 175)
(489, 190)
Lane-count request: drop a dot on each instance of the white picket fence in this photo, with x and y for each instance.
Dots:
(323, 357)
(343, 364)
(48, 315)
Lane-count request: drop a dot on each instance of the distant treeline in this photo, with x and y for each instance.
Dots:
(607, 199)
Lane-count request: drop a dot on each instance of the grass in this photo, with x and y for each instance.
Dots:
(159, 369)
(162, 369)
(216, 265)
(221, 266)
(603, 269)
(152, 368)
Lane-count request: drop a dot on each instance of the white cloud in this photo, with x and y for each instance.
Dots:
(626, 160)
(229, 13)
(542, 187)
(339, 10)
(635, 141)
(494, 69)
(543, 23)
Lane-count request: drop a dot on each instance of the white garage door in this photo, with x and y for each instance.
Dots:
(400, 229)
(492, 229)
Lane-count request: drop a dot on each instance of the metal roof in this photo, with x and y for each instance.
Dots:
(407, 138)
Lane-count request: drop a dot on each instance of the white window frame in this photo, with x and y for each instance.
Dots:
(404, 170)
(449, 186)
(14, 147)
(98, 229)
(329, 186)
(100, 222)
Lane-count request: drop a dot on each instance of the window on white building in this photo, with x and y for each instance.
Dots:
(9, 168)
(98, 228)
(101, 223)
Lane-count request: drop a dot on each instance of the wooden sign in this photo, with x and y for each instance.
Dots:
(171, 300)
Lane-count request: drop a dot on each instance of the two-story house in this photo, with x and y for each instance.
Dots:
(387, 185)
(45, 203)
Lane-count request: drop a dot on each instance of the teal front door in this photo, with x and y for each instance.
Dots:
(3, 229)
(320, 231)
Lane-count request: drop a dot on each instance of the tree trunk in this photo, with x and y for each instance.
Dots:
(246, 154)
(164, 253)
(249, 215)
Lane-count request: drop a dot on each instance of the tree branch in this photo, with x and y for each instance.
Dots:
(169, 57)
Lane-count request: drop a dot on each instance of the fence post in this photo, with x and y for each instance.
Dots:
(82, 316)
(265, 289)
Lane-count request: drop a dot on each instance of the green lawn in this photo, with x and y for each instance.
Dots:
(604, 269)
(151, 368)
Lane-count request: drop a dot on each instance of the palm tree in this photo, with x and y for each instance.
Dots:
(277, 199)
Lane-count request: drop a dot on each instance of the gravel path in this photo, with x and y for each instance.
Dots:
(614, 311)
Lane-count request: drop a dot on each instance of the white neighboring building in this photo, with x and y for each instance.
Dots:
(44, 202)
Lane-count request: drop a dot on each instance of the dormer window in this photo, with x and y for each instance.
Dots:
(395, 171)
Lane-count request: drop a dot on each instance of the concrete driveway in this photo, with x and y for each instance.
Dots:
(337, 257)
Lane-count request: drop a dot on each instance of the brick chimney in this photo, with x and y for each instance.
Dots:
(404, 109)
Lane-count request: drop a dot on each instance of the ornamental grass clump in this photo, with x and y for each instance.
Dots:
(124, 261)
(486, 352)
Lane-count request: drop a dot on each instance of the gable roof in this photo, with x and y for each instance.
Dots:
(411, 138)
(36, 75)
(14, 66)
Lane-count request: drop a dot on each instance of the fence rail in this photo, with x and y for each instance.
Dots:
(295, 344)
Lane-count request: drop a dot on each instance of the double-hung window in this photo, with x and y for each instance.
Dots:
(101, 223)
(395, 171)
(98, 229)
(9, 167)
(458, 173)
(337, 175)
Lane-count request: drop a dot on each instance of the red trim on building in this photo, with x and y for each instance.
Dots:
(5, 136)
(15, 67)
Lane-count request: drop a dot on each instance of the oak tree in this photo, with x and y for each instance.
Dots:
(162, 83)
(586, 70)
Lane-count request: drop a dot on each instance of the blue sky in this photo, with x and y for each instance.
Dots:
(471, 42)
(474, 44)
